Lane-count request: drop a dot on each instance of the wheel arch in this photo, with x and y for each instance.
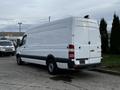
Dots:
(17, 55)
(50, 58)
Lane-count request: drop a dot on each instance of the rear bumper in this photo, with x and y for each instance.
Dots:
(3, 53)
(71, 64)
(83, 66)
(87, 66)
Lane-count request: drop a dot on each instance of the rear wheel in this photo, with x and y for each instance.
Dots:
(52, 67)
(19, 61)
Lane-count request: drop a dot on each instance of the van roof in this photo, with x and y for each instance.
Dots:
(61, 20)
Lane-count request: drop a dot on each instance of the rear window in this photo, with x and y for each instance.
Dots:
(5, 44)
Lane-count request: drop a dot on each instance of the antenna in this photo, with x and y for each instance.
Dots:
(49, 18)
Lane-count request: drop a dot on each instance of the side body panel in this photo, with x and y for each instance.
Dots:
(50, 39)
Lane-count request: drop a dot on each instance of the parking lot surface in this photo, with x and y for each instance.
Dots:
(35, 77)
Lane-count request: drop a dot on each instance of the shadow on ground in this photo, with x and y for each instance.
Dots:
(63, 75)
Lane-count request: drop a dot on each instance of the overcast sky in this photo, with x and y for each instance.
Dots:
(31, 11)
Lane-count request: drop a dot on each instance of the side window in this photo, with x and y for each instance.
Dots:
(23, 40)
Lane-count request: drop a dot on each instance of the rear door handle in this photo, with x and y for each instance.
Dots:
(92, 50)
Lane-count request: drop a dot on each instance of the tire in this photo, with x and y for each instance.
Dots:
(19, 61)
(52, 67)
(13, 54)
(0, 53)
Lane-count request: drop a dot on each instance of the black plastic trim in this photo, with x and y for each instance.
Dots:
(57, 59)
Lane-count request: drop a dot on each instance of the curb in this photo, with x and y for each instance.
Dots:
(107, 71)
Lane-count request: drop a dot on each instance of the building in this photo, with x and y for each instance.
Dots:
(16, 37)
(11, 35)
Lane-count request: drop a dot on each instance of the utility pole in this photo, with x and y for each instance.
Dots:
(20, 24)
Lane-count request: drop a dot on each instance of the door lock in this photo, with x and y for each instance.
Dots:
(89, 42)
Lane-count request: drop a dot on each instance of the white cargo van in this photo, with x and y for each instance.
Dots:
(69, 43)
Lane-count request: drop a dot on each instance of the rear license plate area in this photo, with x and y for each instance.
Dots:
(82, 61)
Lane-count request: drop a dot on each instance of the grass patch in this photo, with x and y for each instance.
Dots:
(111, 62)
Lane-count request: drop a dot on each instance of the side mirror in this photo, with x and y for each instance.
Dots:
(20, 44)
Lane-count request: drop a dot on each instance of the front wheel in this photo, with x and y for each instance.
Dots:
(19, 61)
(13, 53)
(52, 67)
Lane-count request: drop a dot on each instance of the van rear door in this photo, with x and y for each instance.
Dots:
(87, 40)
(81, 40)
(94, 40)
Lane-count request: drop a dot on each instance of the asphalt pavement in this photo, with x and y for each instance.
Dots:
(36, 77)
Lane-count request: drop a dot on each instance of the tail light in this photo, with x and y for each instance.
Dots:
(71, 53)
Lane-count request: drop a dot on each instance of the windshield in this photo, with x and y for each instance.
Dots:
(5, 44)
